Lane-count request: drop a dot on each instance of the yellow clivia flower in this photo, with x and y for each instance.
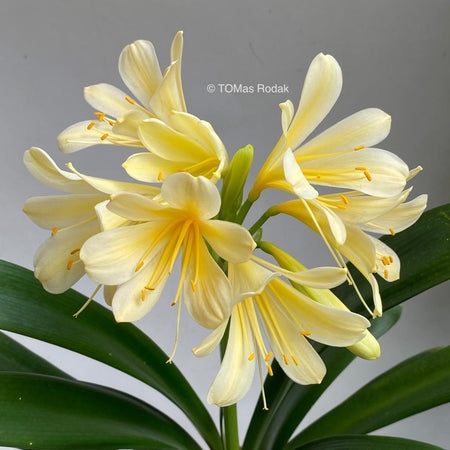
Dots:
(73, 217)
(158, 121)
(139, 258)
(340, 156)
(288, 318)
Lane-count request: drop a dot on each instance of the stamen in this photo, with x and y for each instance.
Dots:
(159, 176)
(269, 369)
(286, 360)
(359, 148)
(54, 231)
(305, 333)
(97, 114)
(88, 301)
(143, 294)
(75, 250)
(268, 356)
(391, 259)
(385, 260)
(344, 199)
(360, 168)
(104, 136)
(91, 125)
(367, 175)
(130, 100)
(101, 117)
(392, 231)
(69, 264)
(341, 206)
(251, 357)
(263, 394)
(294, 359)
(193, 285)
(175, 345)
(139, 266)
(386, 274)
(149, 288)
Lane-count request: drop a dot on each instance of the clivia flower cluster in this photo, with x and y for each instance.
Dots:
(129, 236)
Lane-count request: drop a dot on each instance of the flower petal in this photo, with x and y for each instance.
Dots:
(210, 303)
(108, 220)
(287, 113)
(323, 84)
(364, 128)
(197, 195)
(139, 69)
(128, 124)
(151, 168)
(44, 169)
(52, 265)
(229, 240)
(108, 99)
(211, 341)
(61, 210)
(136, 207)
(388, 261)
(294, 176)
(236, 372)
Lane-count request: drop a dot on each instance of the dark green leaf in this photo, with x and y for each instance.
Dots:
(415, 385)
(14, 357)
(40, 411)
(359, 442)
(289, 402)
(425, 254)
(26, 308)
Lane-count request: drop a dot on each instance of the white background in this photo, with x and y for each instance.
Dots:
(394, 55)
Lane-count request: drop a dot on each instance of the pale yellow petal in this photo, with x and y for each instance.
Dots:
(211, 341)
(294, 176)
(287, 113)
(128, 124)
(388, 261)
(136, 207)
(78, 136)
(108, 293)
(108, 220)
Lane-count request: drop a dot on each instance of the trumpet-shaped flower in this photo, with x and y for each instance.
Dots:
(158, 121)
(354, 213)
(341, 156)
(139, 258)
(73, 217)
(270, 306)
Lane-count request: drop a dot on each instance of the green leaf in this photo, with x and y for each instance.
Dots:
(358, 442)
(415, 385)
(26, 308)
(289, 402)
(40, 411)
(14, 357)
(425, 254)
(424, 251)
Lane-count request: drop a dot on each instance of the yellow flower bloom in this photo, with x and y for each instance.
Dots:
(160, 123)
(139, 258)
(73, 217)
(288, 317)
(341, 155)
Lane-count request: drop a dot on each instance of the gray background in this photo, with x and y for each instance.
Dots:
(394, 55)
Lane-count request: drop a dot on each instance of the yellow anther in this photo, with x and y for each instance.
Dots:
(143, 294)
(91, 125)
(341, 206)
(385, 260)
(392, 231)
(159, 176)
(138, 267)
(359, 148)
(111, 122)
(286, 360)
(269, 369)
(269, 355)
(251, 357)
(386, 274)
(75, 250)
(360, 168)
(344, 199)
(318, 177)
(305, 333)
(104, 136)
(294, 359)
(101, 117)
(367, 175)
(173, 303)
(193, 285)
(69, 265)
(97, 114)
(149, 288)
(391, 259)
(54, 231)
(130, 100)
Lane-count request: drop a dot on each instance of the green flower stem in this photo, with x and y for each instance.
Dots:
(262, 220)
(243, 210)
(229, 427)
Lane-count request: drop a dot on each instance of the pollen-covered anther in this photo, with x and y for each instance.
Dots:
(143, 295)
(75, 250)
(392, 231)
(130, 100)
(344, 199)
(386, 274)
(251, 356)
(367, 175)
(268, 356)
(269, 369)
(159, 176)
(69, 264)
(360, 168)
(391, 259)
(104, 136)
(305, 333)
(286, 360)
(101, 117)
(386, 260)
(139, 266)
(149, 288)
(193, 285)
(341, 206)
(54, 231)
(294, 359)
(90, 126)
(359, 148)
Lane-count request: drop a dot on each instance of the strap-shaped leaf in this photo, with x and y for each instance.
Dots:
(289, 402)
(424, 250)
(415, 385)
(14, 357)
(40, 411)
(26, 308)
(358, 442)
